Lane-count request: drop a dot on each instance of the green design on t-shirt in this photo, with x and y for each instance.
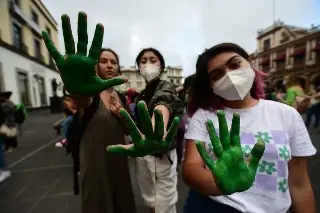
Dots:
(283, 185)
(267, 167)
(264, 136)
(284, 153)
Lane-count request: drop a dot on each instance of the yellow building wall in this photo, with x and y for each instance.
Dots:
(5, 22)
(28, 35)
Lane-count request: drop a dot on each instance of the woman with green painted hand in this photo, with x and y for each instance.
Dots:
(105, 184)
(157, 158)
(247, 168)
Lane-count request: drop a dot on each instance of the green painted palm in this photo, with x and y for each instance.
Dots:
(230, 171)
(153, 140)
(77, 70)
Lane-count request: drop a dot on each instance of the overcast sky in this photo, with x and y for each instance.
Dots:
(181, 29)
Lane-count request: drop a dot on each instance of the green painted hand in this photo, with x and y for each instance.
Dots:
(231, 173)
(150, 143)
(78, 71)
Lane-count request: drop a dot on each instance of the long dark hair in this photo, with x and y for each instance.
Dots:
(114, 53)
(156, 52)
(202, 95)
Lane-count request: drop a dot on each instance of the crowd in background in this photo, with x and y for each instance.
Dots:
(293, 93)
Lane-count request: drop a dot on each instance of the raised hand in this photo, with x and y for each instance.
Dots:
(153, 141)
(231, 173)
(77, 70)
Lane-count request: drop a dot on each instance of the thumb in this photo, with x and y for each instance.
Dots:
(113, 82)
(256, 154)
(119, 149)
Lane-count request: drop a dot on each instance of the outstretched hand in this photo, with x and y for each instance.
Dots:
(153, 141)
(230, 171)
(77, 70)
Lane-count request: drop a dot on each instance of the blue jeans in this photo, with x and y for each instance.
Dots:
(65, 125)
(197, 203)
(314, 111)
(2, 161)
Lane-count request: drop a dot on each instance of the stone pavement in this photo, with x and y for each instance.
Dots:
(42, 174)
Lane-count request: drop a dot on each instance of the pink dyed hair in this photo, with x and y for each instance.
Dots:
(202, 95)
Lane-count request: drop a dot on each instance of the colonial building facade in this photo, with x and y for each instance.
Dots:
(26, 67)
(288, 50)
(136, 81)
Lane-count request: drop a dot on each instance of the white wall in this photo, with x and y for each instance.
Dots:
(11, 63)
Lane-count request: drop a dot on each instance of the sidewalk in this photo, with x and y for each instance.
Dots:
(42, 174)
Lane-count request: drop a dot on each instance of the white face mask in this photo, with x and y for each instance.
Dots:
(235, 85)
(150, 72)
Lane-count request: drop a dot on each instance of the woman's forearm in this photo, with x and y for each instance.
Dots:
(201, 180)
(302, 200)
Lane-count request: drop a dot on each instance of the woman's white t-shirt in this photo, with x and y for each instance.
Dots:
(285, 135)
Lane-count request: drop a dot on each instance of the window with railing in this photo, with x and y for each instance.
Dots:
(299, 61)
(265, 63)
(281, 65)
(17, 36)
(42, 91)
(280, 60)
(267, 44)
(299, 56)
(35, 17)
(37, 49)
(23, 84)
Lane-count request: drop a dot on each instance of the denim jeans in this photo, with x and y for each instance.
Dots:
(65, 125)
(314, 111)
(197, 203)
(2, 161)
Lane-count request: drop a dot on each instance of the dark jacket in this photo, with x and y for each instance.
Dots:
(162, 92)
(7, 114)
